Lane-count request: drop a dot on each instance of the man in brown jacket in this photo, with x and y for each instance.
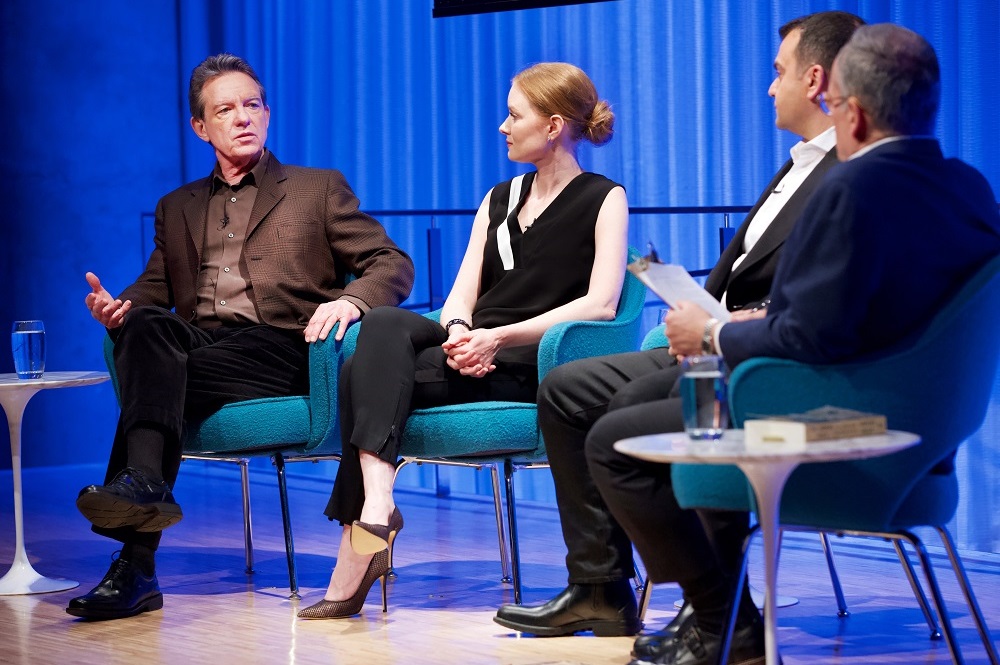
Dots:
(253, 261)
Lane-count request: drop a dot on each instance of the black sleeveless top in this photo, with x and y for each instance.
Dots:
(548, 265)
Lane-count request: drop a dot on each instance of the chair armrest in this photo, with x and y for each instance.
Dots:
(326, 357)
(572, 340)
(893, 386)
(773, 386)
(656, 338)
(350, 341)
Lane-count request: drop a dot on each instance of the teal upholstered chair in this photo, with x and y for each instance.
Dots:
(487, 434)
(277, 427)
(922, 386)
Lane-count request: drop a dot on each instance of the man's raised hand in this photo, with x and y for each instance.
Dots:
(109, 311)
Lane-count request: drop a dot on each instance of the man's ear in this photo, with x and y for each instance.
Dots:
(816, 81)
(198, 125)
(857, 122)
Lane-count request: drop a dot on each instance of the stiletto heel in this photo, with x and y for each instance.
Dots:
(385, 591)
(369, 538)
(339, 609)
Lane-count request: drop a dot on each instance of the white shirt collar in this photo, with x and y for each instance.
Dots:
(806, 151)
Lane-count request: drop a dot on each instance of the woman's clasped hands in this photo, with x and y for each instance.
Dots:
(471, 352)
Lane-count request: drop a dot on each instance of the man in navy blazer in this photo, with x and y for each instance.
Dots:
(580, 397)
(889, 236)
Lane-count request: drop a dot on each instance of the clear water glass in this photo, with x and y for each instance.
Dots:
(27, 342)
(703, 397)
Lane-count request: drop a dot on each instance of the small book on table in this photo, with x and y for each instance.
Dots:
(822, 424)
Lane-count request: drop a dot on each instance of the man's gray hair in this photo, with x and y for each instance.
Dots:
(214, 66)
(894, 74)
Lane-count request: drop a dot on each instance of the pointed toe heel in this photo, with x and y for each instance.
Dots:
(340, 609)
(326, 609)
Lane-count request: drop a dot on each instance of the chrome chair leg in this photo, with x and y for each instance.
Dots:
(918, 591)
(970, 597)
(286, 520)
(515, 557)
(247, 524)
(925, 563)
(637, 580)
(501, 536)
(838, 592)
(645, 594)
(642, 585)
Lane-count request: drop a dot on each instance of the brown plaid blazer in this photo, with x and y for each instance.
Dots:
(305, 237)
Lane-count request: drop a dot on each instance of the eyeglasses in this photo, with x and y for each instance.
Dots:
(827, 105)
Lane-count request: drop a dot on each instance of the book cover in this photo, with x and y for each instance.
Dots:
(822, 424)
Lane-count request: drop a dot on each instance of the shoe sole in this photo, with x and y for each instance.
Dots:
(599, 628)
(109, 512)
(154, 602)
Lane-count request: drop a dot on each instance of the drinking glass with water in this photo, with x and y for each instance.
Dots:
(27, 341)
(703, 397)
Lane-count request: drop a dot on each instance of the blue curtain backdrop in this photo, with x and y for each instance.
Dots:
(408, 108)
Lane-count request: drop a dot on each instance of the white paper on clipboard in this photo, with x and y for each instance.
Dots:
(673, 284)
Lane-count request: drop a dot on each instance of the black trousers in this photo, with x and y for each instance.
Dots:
(399, 366)
(171, 371)
(608, 501)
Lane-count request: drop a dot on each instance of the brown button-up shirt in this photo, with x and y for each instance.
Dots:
(225, 292)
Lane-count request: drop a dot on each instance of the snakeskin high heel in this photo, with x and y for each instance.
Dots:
(339, 609)
(368, 538)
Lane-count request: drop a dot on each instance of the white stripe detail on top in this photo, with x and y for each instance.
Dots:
(503, 231)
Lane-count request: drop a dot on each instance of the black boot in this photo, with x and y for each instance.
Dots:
(125, 591)
(608, 609)
(649, 647)
(694, 646)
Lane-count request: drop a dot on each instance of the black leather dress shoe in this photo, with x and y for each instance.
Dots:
(607, 609)
(123, 592)
(649, 647)
(694, 646)
(131, 499)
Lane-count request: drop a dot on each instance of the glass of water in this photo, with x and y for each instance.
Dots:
(27, 341)
(703, 397)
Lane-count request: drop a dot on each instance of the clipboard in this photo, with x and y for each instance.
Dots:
(672, 283)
